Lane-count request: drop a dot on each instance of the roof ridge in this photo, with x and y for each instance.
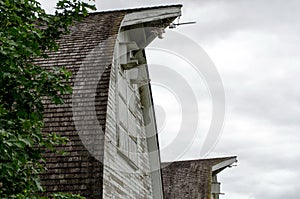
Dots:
(136, 9)
(202, 159)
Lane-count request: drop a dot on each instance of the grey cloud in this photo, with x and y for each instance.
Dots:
(222, 18)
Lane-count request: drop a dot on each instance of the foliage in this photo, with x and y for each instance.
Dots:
(27, 33)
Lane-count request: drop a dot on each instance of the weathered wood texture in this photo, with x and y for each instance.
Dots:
(120, 178)
(189, 179)
(92, 167)
(80, 171)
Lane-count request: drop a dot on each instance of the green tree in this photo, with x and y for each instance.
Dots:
(27, 33)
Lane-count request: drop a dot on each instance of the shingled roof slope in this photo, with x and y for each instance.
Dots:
(190, 178)
(78, 171)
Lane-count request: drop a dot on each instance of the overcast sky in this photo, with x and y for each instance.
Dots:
(255, 47)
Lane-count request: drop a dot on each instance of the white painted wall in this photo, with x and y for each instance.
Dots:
(123, 175)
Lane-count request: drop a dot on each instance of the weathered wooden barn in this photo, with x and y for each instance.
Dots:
(113, 150)
(194, 178)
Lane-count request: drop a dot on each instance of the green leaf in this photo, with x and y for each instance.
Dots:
(26, 141)
(28, 33)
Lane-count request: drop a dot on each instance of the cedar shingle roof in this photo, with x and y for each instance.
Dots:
(189, 179)
(78, 171)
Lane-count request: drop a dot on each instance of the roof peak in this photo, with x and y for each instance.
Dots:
(203, 159)
(129, 10)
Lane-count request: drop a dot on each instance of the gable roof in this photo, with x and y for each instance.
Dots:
(191, 178)
(79, 171)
